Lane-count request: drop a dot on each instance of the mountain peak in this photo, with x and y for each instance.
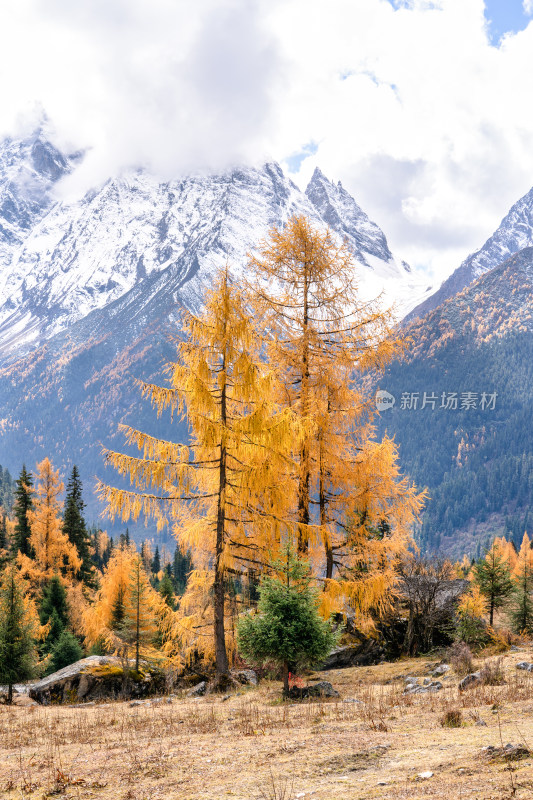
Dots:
(514, 233)
(341, 212)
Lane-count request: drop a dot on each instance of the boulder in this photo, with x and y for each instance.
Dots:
(96, 678)
(508, 752)
(247, 677)
(525, 665)
(354, 655)
(415, 688)
(442, 669)
(320, 689)
(197, 691)
(469, 681)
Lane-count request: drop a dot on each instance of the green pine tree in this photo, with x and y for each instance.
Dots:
(166, 590)
(67, 650)
(75, 528)
(3, 533)
(156, 562)
(181, 566)
(287, 630)
(53, 609)
(118, 611)
(493, 576)
(18, 654)
(522, 607)
(23, 503)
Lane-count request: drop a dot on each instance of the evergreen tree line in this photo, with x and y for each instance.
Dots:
(52, 567)
(473, 462)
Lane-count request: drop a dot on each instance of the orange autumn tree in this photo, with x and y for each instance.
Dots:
(51, 548)
(127, 611)
(224, 493)
(354, 511)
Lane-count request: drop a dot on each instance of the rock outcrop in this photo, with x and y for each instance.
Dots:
(96, 678)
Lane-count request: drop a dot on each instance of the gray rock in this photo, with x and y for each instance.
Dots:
(441, 670)
(473, 679)
(525, 665)
(433, 686)
(94, 678)
(320, 689)
(427, 681)
(245, 676)
(198, 691)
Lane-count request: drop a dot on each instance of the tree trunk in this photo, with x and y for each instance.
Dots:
(491, 617)
(10, 694)
(323, 513)
(137, 631)
(221, 656)
(285, 678)
(303, 488)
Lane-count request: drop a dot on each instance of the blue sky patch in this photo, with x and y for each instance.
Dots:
(294, 162)
(505, 16)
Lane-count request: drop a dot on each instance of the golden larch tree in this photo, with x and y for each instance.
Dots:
(127, 611)
(52, 550)
(320, 337)
(222, 492)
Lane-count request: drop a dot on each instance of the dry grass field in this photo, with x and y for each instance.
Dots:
(374, 742)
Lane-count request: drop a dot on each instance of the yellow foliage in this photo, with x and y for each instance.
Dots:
(224, 494)
(318, 336)
(472, 604)
(524, 559)
(126, 606)
(52, 549)
(265, 381)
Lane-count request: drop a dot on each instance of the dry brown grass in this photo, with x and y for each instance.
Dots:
(253, 747)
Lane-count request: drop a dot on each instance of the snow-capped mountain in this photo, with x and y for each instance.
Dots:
(61, 260)
(29, 168)
(514, 233)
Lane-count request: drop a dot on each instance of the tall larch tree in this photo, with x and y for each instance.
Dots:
(139, 627)
(75, 528)
(22, 506)
(53, 552)
(352, 503)
(223, 492)
(127, 610)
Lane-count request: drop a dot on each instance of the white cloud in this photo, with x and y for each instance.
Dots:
(175, 85)
(407, 103)
(528, 7)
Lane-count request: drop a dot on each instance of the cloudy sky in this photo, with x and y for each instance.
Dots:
(422, 108)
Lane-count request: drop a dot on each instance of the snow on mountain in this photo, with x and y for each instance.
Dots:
(61, 260)
(28, 170)
(384, 271)
(514, 233)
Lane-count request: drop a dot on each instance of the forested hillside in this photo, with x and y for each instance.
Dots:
(473, 451)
